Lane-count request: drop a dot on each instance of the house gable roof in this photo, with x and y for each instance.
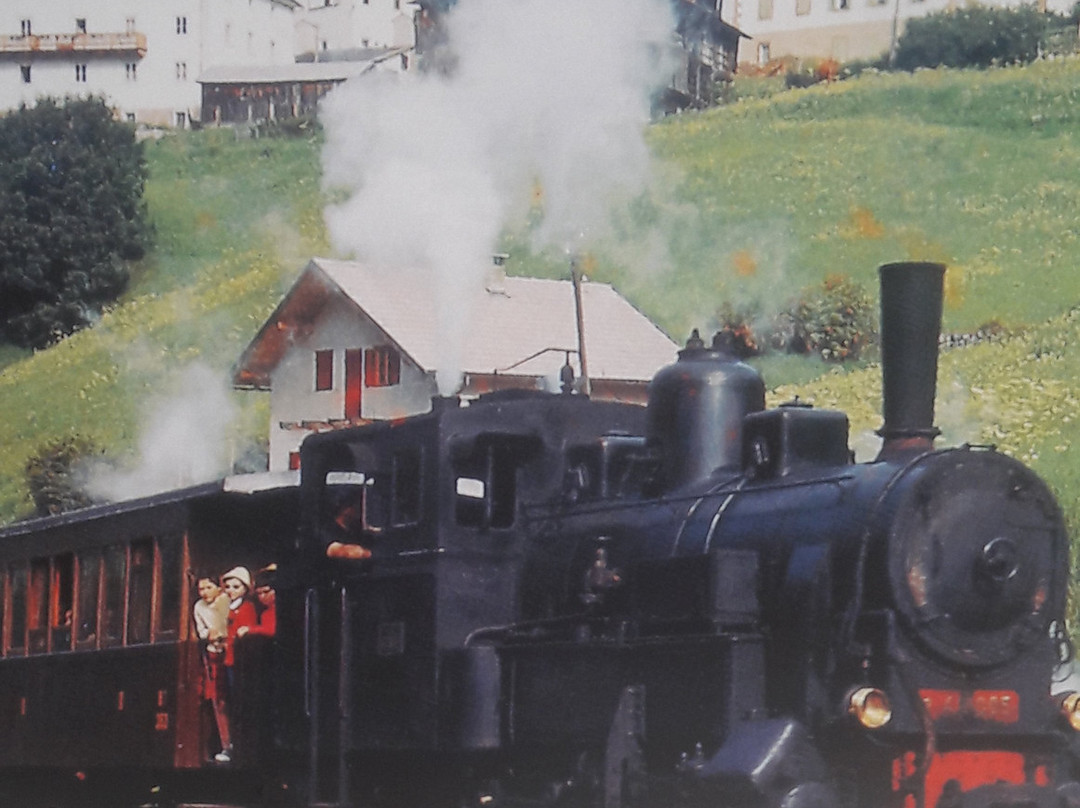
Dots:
(519, 325)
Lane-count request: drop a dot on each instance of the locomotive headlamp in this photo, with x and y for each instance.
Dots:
(1070, 708)
(870, 706)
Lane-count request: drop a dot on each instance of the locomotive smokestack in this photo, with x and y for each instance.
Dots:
(911, 299)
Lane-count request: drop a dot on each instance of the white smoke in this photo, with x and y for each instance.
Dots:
(545, 94)
(182, 443)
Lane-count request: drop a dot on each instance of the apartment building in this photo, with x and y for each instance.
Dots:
(143, 56)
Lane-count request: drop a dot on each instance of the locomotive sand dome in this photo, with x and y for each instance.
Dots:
(696, 411)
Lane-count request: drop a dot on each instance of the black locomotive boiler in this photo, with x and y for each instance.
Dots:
(538, 600)
(541, 600)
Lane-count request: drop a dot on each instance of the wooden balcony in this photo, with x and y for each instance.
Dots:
(49, 44)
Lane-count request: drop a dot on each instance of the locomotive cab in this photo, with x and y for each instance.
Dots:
(412, 543)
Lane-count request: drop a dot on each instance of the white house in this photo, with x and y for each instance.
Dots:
(352, 342)
(837, 29)
(335, 29)
(143, 56)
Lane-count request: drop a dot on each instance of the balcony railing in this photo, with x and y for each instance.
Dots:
(73, 43)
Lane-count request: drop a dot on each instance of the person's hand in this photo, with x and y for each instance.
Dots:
(240, 632)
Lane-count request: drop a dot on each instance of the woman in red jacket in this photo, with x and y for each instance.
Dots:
(237, 585)
(267, 598)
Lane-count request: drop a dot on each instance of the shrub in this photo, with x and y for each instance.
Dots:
(735, 334)
(836, 321)
(52, 479)
(973, 36)
(71, 184)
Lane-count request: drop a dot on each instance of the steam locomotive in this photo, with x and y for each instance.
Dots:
(542, 600)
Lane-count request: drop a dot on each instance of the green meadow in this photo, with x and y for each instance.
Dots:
(750, 204)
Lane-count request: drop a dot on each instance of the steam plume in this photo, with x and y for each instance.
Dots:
(548, 94)
(182, 442)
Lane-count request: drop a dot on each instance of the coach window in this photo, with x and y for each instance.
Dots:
(17, 641)
(3, 610)
(140, 591)
(86, 612)
(169, 601)
(112, 618)
(37, 607)
(62, 601)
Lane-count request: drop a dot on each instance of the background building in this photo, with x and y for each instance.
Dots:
(836, 29)
(143, 56)
(352, 342)
(335, 29)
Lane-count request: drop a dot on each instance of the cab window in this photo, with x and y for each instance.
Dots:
(486, 481)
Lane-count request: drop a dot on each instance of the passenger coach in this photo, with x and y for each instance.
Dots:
(100, 668)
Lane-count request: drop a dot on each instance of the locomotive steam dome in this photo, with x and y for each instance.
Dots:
(977, 557)
(696, 410)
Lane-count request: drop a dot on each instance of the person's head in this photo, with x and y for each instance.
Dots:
(265, 594)
(208, 588)
(264, 584)
(236, 582)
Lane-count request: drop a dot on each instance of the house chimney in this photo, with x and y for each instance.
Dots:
(911, 301)
(496, 280)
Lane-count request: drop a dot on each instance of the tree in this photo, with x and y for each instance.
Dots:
(973, 36)
(71, 216)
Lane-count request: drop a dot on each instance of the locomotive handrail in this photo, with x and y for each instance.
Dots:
(308, 609)
(741, 478)
(483, 631)
(623, 504)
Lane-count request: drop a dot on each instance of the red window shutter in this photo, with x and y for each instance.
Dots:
(324, 370)
(371, 367)
(382, 366)
(393, 366)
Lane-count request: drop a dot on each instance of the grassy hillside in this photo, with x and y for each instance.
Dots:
(976, 169)
(234, 221)
(753, 202)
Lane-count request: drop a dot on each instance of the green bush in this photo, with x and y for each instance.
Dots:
(836, 321)
(52, 476)
(973, 36)
(71, 210)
